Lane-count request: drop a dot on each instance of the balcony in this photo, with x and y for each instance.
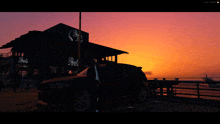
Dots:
(5, 55)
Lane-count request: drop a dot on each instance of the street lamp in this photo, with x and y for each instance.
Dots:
(79, 50)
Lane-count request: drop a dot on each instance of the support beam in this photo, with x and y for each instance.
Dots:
(116, 59)
(13, 53)
(198, 90)
(168, 91)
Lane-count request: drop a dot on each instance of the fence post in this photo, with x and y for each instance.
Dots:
(154, 90)
(198, 89)
(168, 87)
(161, 91)
(172, 92)
(161, 88)
(168, 91)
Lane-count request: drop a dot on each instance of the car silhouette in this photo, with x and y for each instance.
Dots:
(99, 87)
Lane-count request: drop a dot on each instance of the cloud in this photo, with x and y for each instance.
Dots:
(148, 72)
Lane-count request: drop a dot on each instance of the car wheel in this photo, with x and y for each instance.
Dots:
(82, 102)
(143, 94)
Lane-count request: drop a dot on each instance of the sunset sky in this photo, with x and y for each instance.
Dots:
(169, 44)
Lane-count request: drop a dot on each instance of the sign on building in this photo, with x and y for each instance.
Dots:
(74, 35)
(22, 60)
(72, 61)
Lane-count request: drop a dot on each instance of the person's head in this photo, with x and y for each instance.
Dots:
(91, 63)
(24, 73)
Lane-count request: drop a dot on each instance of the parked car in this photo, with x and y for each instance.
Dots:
(96, 87)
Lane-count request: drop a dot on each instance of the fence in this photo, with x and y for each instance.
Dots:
(169, 87)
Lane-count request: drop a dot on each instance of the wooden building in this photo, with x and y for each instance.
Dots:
(57, 47)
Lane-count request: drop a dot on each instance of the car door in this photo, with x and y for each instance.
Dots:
(110, 81)
(130, 79)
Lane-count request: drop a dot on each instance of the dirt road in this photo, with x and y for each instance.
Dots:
(19, 101)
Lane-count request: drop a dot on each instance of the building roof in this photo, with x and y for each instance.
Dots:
(55, 40)
(66, 32)
(99, 51)
(61, 29)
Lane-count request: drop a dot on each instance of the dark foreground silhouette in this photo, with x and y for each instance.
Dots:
(97, 87)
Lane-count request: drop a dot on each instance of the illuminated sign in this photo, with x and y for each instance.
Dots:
(22, 60)
(74, 35)
(72, 62)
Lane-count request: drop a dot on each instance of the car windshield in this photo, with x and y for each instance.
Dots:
(84, 72)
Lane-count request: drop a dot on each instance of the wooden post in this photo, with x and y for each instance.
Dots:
(198, 90)
(116, 59)
(171, 92)
(168, 91)
(79, 43)
(161, 89)
(154, 91)
(168, 87)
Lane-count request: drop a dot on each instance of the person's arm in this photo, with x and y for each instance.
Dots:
(96, 73)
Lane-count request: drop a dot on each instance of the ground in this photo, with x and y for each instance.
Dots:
(25, 101)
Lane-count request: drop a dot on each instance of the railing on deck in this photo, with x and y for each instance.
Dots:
(6, 54)
(170, 90)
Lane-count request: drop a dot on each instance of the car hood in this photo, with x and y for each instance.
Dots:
(62, 79)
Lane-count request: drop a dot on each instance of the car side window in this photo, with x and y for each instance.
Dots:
(106, 73)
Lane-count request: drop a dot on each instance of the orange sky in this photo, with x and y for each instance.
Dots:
(175, 44)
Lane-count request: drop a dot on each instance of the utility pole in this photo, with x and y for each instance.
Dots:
(79, 43)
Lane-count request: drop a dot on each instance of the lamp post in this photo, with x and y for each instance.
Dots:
(79, 50)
